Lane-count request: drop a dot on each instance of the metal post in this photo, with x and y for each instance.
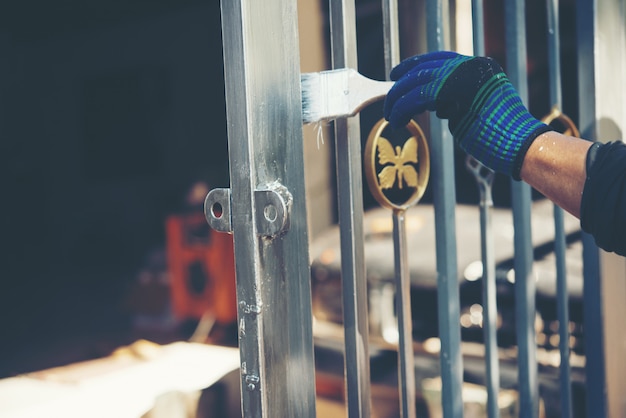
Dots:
(595, 375)
(478, 26)
(267, 207)
(521, 200)
(444, 199)
(391, 34)
(559, 228)
(484, 179)
(350, 202)
(406, 367)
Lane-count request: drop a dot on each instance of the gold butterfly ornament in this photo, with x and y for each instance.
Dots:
(401, 160)
(386, 165)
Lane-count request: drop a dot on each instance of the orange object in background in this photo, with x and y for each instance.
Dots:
(201, 265)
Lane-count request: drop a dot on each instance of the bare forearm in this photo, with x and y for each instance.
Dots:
(555, 166)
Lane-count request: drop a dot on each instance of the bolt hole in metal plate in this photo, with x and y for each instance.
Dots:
(217, 210)
(397, 164)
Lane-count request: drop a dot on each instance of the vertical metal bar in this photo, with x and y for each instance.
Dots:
(595, 374)
(350, 202)
(521, 200)
(559, 228)
(391, 33)
(265, 147)
(444, 199)
(487, 247)
(489, 303)
(563, 312)
(484, 179)
(406, 368)
(478, 25)
(553, 53)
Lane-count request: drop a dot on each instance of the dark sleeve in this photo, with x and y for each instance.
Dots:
(603, 203)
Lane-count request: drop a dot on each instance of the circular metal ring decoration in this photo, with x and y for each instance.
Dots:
(568, 124)
(397, 175)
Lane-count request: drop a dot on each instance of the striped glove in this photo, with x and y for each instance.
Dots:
(486, 115)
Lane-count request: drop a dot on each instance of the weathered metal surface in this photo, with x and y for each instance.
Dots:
(263, 100)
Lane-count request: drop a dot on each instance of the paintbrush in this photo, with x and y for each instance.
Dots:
(338, 93)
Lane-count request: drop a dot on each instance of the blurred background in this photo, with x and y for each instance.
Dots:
(112, 119)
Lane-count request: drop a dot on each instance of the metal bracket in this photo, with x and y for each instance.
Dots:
(217, 210)
(273, 204)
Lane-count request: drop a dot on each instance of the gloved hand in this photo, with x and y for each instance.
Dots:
(486, 115)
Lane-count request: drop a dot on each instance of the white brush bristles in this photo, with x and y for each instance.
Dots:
(338, 93)
(311, 97)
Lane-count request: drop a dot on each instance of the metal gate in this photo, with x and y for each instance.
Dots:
(264, 208)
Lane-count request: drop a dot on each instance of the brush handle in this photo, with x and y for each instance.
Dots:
(363, 90)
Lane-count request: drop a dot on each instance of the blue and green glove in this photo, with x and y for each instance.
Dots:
(486, 115)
